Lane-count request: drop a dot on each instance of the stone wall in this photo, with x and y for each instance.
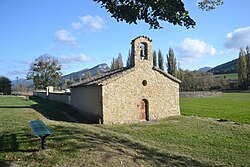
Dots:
(63, 97)
(41, 94)
(122, 97)
(88, 101)
(136, 52)
(117, 99)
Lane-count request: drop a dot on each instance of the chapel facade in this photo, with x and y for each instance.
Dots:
(138, 93)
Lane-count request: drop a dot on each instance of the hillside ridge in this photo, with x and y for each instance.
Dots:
(225, 68)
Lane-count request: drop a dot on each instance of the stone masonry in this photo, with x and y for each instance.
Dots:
(127, 95)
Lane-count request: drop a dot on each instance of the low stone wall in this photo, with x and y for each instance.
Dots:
(41, 94)
(63, 97)
(200, 94)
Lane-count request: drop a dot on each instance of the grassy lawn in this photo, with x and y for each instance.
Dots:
(175, 141)
(207, 141)
(231, 106)
(229, 76)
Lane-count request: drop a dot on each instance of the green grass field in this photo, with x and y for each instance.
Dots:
(175, 141)
(231, 106)
(229, 76)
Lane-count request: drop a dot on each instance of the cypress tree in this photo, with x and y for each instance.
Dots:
(171, 63)
(242, 68)
(154, 59)
(248, 65)
(160, 61)
(129, 62)
(113, 64)
(117, 62)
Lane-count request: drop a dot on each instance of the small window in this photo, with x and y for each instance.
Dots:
(143, 51)
(144, 82)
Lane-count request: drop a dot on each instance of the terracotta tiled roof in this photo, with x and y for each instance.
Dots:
(104, 78)
(115, 74)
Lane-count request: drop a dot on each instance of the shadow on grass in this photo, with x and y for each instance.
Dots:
(15, 107)
(58, 111)
(103, 145)
(10, 142)
(114, 146)
(5, 164)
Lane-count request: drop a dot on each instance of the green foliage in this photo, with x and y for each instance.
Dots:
(5, 85)
(152, 12)
(130, 60)
(248, 66)
(160, 61)
(171, 63)
(208, 5)
(154, 59)
(225, 68)
(172, 11)
(231, 106)
(199, 81)
(243, 65)
(44, 71)
(114, 64)
(117, 62)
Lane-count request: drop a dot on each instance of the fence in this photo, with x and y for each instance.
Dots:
(63, 97)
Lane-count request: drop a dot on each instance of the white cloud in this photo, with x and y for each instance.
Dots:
(238, 38)
(90, 23)
(191, 50)
(65, 36)
(64, 59)
(76, 26)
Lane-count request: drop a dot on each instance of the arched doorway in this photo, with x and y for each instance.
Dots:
(144, 114)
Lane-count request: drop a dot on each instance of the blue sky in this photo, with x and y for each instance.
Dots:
(81, 35)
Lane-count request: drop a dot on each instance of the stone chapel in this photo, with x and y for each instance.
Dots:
(138, 93)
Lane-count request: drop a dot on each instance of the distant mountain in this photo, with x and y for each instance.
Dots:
(76, 75)
(204, 69)
(226, 68)
(22, 81)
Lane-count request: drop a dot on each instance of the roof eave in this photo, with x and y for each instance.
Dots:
(167, 75)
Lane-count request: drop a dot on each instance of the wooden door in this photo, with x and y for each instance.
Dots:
(142, 111)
